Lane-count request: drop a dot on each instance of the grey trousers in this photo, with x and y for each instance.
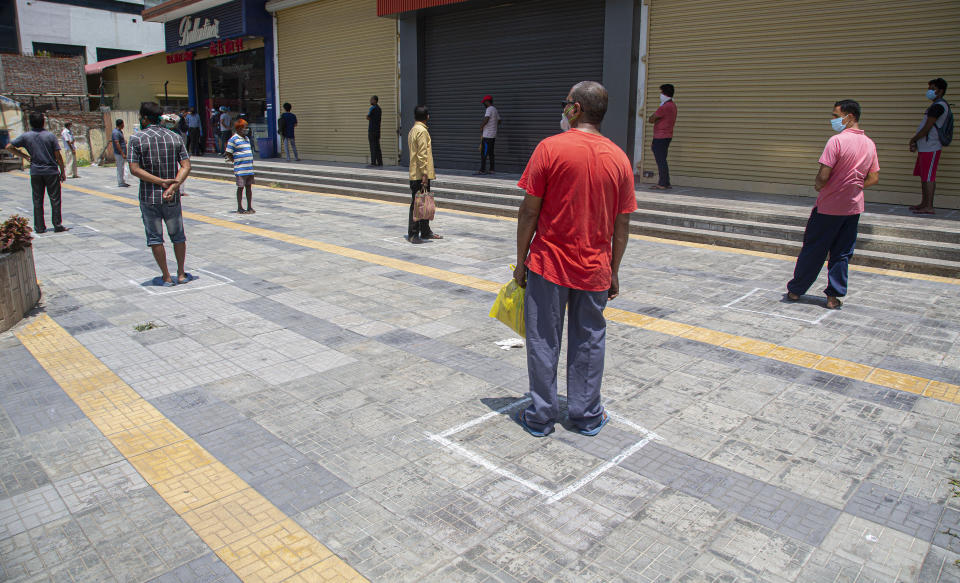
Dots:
(286, 143)
(544, 305)
(121, 163)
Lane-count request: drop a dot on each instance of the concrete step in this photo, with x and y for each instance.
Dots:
(776, 228)
(941, 267)
(867, 238)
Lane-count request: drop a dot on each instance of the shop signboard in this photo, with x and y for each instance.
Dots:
(205, 27)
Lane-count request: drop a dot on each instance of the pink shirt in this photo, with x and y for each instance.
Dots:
(851, 155)
(663, 127)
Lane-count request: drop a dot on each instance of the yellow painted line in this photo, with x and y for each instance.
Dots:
(690, 244)
(852, 370)
(249, 534)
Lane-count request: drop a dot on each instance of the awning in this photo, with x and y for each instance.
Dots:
(99, 66)
(385, 7)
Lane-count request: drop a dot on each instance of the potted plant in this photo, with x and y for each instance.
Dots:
(19, 291)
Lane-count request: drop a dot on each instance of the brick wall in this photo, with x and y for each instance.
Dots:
(25, 74)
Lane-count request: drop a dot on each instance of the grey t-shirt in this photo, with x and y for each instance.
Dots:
(41, 146)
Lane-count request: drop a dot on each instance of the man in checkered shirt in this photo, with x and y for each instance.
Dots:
(160, 160)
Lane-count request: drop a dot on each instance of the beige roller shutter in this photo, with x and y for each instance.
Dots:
(332, 56)
(756, 81)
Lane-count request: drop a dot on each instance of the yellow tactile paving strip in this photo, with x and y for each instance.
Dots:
(249, 534)
(852, 370)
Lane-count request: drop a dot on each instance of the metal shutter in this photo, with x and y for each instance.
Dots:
(526, 54)
(756, 81)
(332, 56)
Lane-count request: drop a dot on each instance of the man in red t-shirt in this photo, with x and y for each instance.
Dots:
(663, 121)
(579, 198)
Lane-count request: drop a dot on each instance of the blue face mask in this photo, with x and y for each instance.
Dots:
(837, 124)
(931, 94)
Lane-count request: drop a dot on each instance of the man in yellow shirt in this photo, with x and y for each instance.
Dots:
(421, 172)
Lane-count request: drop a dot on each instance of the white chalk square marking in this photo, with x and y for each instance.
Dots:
(550, 495)
(51, 233)
(770, 303)
(213, 280)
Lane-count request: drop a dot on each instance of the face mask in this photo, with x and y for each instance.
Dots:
(564, 122)
(837, 124)
(931, 94)
(664, 99)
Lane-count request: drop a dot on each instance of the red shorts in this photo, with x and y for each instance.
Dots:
(926, 167)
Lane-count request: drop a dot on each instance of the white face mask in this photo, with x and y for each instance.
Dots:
(664, 99)
(564, 123)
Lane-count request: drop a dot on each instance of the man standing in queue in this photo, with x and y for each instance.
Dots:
(847, 166)
(572, 231)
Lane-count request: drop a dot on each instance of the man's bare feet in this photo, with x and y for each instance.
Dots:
(250, 211)
(792, 296)
(833, 303)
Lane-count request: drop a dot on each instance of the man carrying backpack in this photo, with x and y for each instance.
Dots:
(935, 132)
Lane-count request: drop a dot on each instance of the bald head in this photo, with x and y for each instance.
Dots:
(592, 98)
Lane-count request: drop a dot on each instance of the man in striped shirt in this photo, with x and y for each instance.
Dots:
(238, 151)
(159, 159)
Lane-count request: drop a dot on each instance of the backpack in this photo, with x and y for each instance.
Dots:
(945, 131)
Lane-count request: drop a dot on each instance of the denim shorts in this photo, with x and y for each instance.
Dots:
(154, 215)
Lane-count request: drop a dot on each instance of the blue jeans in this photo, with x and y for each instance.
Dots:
(155, 215)
(835, 235)
(544, 305)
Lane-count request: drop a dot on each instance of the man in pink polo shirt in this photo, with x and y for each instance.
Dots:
(847, 166)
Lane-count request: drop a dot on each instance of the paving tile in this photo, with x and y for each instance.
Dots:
(206, 569)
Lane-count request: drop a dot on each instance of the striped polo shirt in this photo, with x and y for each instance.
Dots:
(242, 155)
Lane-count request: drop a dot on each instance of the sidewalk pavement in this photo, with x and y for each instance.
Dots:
(328, 402)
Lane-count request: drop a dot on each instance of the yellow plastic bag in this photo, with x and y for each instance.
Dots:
(508, 307)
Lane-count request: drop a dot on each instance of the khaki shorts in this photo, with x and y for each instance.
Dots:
(246, 180)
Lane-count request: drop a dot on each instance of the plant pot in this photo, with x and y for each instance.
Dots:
(19, 291)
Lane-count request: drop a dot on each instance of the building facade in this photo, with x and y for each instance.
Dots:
(95, 30)
(227, 49)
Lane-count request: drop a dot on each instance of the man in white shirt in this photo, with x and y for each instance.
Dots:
(69, 146)
(488, 128)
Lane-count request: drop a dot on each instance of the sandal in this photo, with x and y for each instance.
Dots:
(522, 420)
(433, 236)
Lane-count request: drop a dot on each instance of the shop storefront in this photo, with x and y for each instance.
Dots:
(756, 82)
(227, 48)
(332, 56)
(526, 54)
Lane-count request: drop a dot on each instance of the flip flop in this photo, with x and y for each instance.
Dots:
(595, 430)
(523, 423)
(189, 277)
(433, 236)
(158, 281)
